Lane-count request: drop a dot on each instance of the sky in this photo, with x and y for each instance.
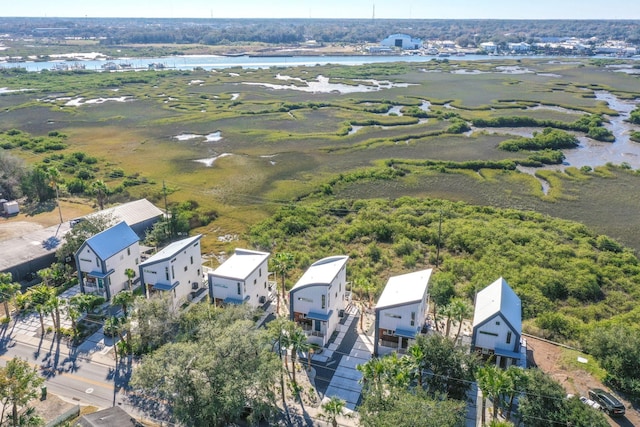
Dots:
(384, 9)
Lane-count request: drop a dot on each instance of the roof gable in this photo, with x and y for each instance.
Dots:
(404, 289)
(241, 264)
(496, 298)
(322, 272)
(112, 240)
(172, 250)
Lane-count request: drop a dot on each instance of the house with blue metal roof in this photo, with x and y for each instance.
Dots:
(242, 278)
(401, 311)
(102, 260)
(497, 324)
(175, 270)
(319, 297)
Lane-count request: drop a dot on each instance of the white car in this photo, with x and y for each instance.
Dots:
(587, 401)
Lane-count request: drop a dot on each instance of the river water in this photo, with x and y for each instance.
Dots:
(212, 62)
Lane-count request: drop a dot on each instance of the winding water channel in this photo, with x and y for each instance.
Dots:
(596, 153)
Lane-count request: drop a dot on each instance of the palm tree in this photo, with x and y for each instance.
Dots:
(493, 382)
(124, 299)
(53, 307)
(332, 409)
(130, 273)
(282, 262)
(74, 314)
(460, 310)
(372, 372)
(299, 343)
(517, 380)
(38, 298)
(8, 290)
(447, 311)
(101, 191)
(415, 361)
(46, 275)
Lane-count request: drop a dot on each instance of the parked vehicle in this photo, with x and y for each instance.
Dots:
(610, 404)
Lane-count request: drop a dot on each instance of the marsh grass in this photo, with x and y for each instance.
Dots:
(306, 135)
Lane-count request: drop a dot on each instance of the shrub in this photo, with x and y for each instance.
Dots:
(116, 173)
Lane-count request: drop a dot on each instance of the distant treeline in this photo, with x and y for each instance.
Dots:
(227, 31)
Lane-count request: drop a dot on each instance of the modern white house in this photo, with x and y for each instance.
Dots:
(242, 278)
(175, 270)
(489, 47)
(320, 297)
(402, 41)
(401, 311)
(497, 324)
(102, 260)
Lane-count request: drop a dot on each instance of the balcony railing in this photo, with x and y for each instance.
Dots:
(92, 287)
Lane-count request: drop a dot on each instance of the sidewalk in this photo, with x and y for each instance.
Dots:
(26, 328)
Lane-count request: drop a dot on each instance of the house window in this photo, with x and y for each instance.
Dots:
(191, 259)
(260, 272)
(413, 318)
(136, 261)
(128, 251)
(508, 337)
(324, 301)
(173, 273)
(239, 292)
(255, 281)
(198, 272)
(97, 261)
(166, 273)
(185, 268)
(498, 323)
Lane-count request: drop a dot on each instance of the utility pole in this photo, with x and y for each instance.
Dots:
(439, 237)
(164, 190)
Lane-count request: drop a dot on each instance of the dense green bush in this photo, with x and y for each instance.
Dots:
(549, 138)
(565, 274)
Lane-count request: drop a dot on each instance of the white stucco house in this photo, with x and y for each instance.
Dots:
(242, 278)
(497, 324)
(319, 297)
(402, 41)
(102, 261)
(401, 311)
(489, 47)
(175, 270)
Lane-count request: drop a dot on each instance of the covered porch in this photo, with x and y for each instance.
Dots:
(314, 325)
(96, 282)
(399, 341)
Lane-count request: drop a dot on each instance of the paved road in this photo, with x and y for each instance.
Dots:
(69, 374)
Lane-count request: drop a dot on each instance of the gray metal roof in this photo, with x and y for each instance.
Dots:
(404, 289)
(496, 298)
(171, 250)
(132, 212)
(322, 272)
(241, 264)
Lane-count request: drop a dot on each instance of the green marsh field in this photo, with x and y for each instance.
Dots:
(267, 137)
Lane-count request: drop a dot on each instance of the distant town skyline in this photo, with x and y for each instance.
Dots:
(330, 9)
